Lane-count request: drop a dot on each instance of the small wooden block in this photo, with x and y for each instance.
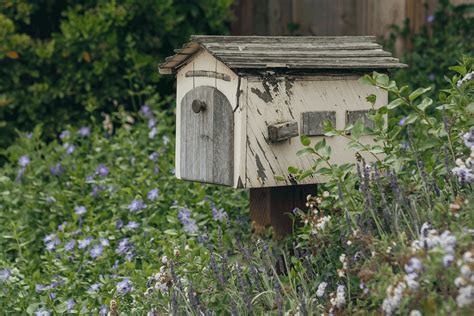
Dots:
(282, 131)
(361, 115)
(312, 123)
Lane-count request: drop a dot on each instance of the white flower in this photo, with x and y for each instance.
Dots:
(339, 300)
(468, 257)
(465, 296)
(164, 259)
(415, 312)
(321, 289)
(459, 281)
(411, 281)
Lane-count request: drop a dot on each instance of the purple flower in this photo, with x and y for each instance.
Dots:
(431, 76)
(96, 251)
(103, 310)
(104, 242)
(64, 134)
(190, 226)
(124, 286)
(124, 246)
(153, 194)
(51, 241)
(151, 123)
(402, 121)
(413, 265)
(102, 170)
(57, 169)
(184, 215)
(84, 131)
(24, 161)
(69, 246)
(154, 156)
(70, 149)
(469, 138)
(62, 226)
(146, 111)
(219, 214)
(5, 274)
(119, 224)
(152, 133)
(29, 135)
(448, 260)
(80, 210)
(70, 304)
(132, 225)
(83, 243)
(136, 205)
(94, 288)
(42, 312)
(430, 18)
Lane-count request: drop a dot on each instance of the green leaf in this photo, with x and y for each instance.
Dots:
(293, 170)
(459, 69)
(381, 80)
(366, 79)
(424, 104)
(415, 94)
(305, 151)
(358, 129)
(371, 98)
(305, 140)
(470, 108)
(395, 103)
(320, 144)
(171, 232)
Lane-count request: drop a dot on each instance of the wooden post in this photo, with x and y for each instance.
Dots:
(271, 206)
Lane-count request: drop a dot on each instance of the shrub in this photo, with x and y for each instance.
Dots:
(61, 61)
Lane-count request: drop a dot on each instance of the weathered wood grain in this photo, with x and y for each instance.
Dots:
(282, 131)
(207, 73)
(312, 123)
(207, 137)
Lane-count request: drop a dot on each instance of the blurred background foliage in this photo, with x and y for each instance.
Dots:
(60, 60)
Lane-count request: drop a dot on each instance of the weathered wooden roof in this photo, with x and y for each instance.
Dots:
(287, 52)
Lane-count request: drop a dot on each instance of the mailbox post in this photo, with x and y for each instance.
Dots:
(243, 101)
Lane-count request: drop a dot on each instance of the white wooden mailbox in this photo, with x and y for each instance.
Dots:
(243, 101)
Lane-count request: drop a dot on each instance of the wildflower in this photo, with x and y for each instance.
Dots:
(132, 225)
(415, 312)
(96, 251)
(430, 18)
(190, 227)
(184, 215)
(119, 224)
(219, 214)
(402, 121)
(151, 123)
(124, 286)
(64, 134)
(104, 242)
(51, 241)
(154, 156)
(153, 194)
(24, 161)
(432, 77)
(469, 138)
(5, 274)
(62, 226)
(124, 246)
(103, 310)
(102, 170)
(448, 260)
(57, 169)
(94, 288)
(152, 133)
(146, 111)
(84, 131)
(164, 259)
(42, 312)
(321, 289)
(136, 205)
(413, 265)
(394, 298)
(80, 210)
(339, 300)
(69, 246)
(70, 305)
(411, 281)
(465, 296)
(69, 148)
(83, 243)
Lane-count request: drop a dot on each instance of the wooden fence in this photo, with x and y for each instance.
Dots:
(331, 17)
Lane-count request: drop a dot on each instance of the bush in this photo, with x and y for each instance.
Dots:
(61, 61)
(97, 222)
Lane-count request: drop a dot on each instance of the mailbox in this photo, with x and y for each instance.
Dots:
(243, 101)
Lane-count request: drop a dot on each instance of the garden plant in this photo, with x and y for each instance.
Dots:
(93, 221)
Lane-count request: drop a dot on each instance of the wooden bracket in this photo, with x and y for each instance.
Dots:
(271, 207)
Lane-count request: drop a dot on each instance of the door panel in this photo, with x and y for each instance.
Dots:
(207, 140)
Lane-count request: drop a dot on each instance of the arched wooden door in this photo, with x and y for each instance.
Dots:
(207, 137)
